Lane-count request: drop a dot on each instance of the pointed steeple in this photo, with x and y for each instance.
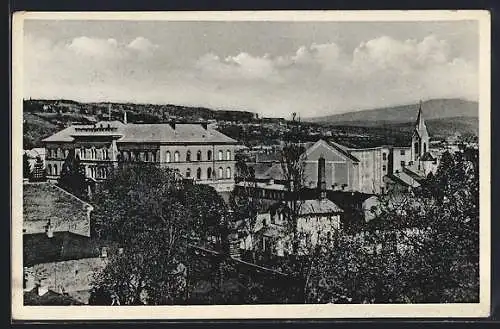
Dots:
(420, 126)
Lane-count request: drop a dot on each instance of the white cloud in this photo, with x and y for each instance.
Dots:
(95, 47)
(241, 66)
(142, 45)
(315, 79)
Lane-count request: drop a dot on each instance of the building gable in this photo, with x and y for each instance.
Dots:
(328, 151)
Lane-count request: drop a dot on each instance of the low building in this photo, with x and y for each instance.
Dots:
(318, 220)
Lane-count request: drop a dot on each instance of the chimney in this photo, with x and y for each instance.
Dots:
(321, 177)
(42, 289)
(49, 230)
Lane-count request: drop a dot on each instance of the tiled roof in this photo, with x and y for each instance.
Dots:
(44, 201)
(427, 157)
(49, 298)
(144, 133)
(404, 179)
(324, 206)
(342, 149)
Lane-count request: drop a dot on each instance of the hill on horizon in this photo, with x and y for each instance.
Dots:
(432, 109)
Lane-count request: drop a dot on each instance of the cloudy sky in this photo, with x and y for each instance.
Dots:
(272, 68)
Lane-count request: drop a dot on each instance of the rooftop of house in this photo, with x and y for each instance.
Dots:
(319, 206)
(45, 201)
(63, 246)
(49, 298)
(142, 132)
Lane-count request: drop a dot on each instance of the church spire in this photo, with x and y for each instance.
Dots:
(420, 123)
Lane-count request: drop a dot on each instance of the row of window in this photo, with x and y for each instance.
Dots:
(95, 153)
(57, 153)
(147, 156)
(52, 169)
(97, 172)
(199, 156)
(154, 156)
(210, 174)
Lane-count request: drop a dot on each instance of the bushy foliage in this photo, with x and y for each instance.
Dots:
(423, 249)
(72, 176)
(153, 216)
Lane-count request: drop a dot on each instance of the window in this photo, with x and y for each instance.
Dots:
(167, 156)
(228, 155)
(176, 156)
(384, 168)
(403, 163)
(126, 156)
(425, 147)
(188, 172)
(209, 155)
(384, 156)
(49, 169)
(221, 154)
(209, 173)
(402, 152)
(55, 169)
(188, 156)
(198, 155)
(417, 148)
(228, 172)
(198, 173)
(66, 152)
(220, 174)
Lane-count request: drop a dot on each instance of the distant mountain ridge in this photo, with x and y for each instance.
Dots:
(432, 109)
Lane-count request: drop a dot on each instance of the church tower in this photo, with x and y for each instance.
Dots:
(420, 137)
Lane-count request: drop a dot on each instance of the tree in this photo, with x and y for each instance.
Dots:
(293, 165)
(38, 173)
(150, 213)
(72, 176)
(26, 166)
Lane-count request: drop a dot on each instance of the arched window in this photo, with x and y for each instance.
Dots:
(176, 156)
(198, 173)
(228, 172)
(417, 151)
(228, 155)
(188, 172)
(66, 152)
(188, 156)
(59, 153)
(220, 174)
(126, 156)
(198, 155)
(425, 147)
(209, 173)
(221, 155)
(167, 156)
(55, 169)
(157, 155)
(209, 155)
(49, 169)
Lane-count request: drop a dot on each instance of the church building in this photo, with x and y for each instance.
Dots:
(371, 170)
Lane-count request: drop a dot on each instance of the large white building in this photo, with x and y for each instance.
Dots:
(196, 150)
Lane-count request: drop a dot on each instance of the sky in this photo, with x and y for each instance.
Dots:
(271, 68)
